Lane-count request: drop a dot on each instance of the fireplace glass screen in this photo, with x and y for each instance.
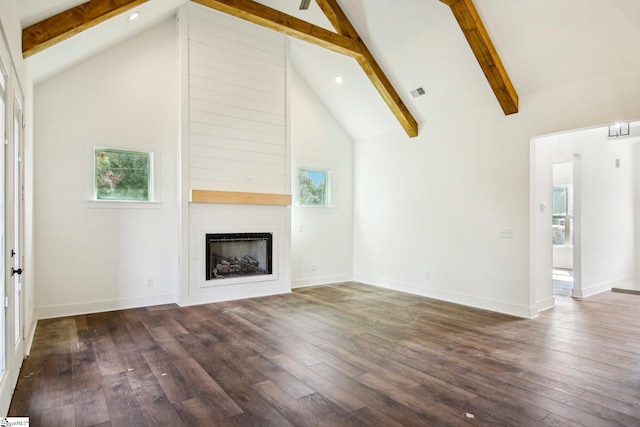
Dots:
(238, 254)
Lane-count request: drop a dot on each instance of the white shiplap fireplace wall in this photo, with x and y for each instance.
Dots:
(235, 137)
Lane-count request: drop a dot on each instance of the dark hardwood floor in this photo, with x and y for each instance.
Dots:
(343, 355)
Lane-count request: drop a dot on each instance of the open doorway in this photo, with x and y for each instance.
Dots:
(562, 229)
(594, 222)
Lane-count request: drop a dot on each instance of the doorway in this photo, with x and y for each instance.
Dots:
(603, 207)
(562, 229)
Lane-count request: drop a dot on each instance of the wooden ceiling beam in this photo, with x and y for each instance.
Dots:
(476, 34)
(345, 40)
(274, 19)
(62, 26)
(368, 63)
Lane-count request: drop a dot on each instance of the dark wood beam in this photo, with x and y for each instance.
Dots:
(287, 24)
(474, 30)
(64, 25)
(368, 63)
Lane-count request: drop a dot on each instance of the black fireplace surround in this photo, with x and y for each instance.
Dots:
(231, 255)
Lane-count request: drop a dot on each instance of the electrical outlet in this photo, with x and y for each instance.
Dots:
(149, 283)
(505, 233)
(427, 275)
(313, 267)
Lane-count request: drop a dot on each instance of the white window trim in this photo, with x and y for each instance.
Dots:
(328, 189)
(153, 203)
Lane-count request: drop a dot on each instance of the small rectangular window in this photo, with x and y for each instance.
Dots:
(562, 221)
(314, 187)
(123, 175)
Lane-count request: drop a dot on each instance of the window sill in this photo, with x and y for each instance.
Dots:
(122, 204)
(314, 207)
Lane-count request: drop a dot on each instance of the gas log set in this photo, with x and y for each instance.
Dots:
(235, 266)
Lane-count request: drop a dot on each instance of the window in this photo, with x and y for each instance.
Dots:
(314, 187)
(123, 175)
(562, 224)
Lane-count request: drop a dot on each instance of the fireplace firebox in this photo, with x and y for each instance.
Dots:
(232, 255)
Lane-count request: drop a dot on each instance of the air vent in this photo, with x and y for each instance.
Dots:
(304, 4)
(418, 92)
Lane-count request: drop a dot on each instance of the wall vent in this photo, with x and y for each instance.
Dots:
(418, 92)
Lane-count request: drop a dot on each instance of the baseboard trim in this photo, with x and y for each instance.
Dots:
(545, 304)
(599, 287)
(31, 332)
(224, 293)
(101, 306)
(318, 281)
(456, 298)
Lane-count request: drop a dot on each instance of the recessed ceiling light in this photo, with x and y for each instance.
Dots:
(338, 79)
(134, 16)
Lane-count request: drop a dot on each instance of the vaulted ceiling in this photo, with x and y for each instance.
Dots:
(543, 44)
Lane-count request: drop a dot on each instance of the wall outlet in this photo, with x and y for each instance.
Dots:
(313, 267)
(427, 275)
(506, 233)
(149, 283)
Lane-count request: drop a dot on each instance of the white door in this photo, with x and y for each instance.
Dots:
(3, 271)
(16, 238)
(12, 306)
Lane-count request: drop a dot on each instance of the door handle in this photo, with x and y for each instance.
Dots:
(13, 271)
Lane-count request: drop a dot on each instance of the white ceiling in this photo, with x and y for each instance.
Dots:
(543, 44)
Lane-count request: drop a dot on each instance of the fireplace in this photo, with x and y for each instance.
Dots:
(233, 255)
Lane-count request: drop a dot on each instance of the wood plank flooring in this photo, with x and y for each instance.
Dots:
(341, 355)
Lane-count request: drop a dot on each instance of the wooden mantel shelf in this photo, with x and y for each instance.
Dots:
(240, 198)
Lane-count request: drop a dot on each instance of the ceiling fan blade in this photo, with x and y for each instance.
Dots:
(304, 4)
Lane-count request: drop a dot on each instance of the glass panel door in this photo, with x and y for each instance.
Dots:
(18, 211)
(3, 136)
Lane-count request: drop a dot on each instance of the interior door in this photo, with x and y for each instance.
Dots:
(3, 261)
(17, 226)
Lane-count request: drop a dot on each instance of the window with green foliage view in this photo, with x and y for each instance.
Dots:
(313, 187)
(123, 175)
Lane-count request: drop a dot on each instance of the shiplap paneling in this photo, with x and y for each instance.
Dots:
(237, 105)
(199, 85)
(214, 142)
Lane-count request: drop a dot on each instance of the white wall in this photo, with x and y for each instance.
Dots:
(100, 256)
(541, 200)
(436, 203)
(321, 237)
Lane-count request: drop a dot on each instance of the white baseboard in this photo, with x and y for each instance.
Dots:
(317, 281)
(600, 287)
(456, 298)
(545, 304)
(30, 333)
(100, 306)
(226, 293)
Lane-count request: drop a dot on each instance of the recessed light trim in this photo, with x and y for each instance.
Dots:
(338, 79)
